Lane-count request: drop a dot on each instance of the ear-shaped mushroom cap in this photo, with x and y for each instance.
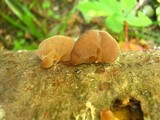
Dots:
(95, 46)
(56, 48)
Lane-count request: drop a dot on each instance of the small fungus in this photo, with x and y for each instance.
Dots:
(56, 48)
(95, 46)
(107, 115)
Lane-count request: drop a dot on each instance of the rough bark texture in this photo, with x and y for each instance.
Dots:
(63, 92)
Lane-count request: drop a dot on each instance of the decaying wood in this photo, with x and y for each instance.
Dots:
(63, 92)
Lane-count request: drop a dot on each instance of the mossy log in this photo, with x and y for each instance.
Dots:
(64, 92)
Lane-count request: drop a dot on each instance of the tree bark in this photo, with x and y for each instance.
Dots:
(63, 92)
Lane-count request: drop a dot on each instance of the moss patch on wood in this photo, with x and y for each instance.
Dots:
(27, 91)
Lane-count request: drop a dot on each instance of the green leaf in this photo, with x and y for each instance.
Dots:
(128, 5)
(158, 18)
(13, 22)
(20, 34)
(13, 8)
(158, 10)
(93, 9)
(112, 5)
(158, 1)
(115, 22)
(139, 21)
(22, 44)
(50, 13)
(46, 4)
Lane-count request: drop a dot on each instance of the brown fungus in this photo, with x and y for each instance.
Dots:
(95, 46)
(107, 115)
(56, 48)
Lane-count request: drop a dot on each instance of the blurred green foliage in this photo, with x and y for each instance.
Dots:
(116, 13)
(35, 25)
(28, 21)
(158, 12)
